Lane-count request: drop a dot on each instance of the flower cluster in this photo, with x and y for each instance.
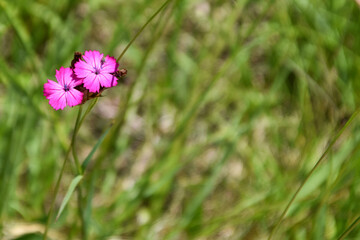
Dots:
(87, 77)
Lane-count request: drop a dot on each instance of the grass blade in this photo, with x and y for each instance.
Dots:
(311, 172)
(349, 229)
(87, 159)
(69, 192)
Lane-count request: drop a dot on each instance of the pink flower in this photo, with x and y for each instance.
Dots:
(63, 93)
(95, 71)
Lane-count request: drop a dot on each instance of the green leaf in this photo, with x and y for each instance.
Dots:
(70, 191)
(87, 160)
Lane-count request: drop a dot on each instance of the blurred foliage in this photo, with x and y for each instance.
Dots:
(228, 106)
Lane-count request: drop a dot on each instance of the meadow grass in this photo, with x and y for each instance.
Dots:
(226, 109)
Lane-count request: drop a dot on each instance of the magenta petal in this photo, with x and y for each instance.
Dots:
(59, 76)
(63, 93)
(92, 83)
(82, 69)
(58, 101)
(76, 82)
(107, 80)
(93, 58)
(95, 71)
(73, 97)
(64, 76)
(110, 65)
(51, 87)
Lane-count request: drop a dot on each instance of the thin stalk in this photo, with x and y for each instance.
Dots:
(120, 118)
(90, 107)
(50, 214)
(321, 159)
(142, 29)
(76, 130)
(78, 189)
(80, 172)
(78, 123)
(123, 110)
(84, 235)
(349, 229)
(73, 143)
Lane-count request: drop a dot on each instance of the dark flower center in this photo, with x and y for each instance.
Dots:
(96, 71)
(66, 88)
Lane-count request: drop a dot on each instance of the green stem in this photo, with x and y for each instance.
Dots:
(73, 141)
(80, 170)
(90, 107)
(142, 29)
(81, 213)
(349, 229)
(123, 108)
(50, 214)
(311, 172)
(78, 124)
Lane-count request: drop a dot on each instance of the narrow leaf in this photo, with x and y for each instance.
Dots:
(70, 191)
(87, 160)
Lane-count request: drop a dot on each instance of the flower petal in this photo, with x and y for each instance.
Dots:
(64, 76)
(73, 97)
(107, 80)
(110, 65)
(91, 82)
(51, 87)
(58, 101)
(76, 81)
(82, 69)
(93, 58)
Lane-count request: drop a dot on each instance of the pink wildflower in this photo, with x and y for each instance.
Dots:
(95, 71)
(63, 93)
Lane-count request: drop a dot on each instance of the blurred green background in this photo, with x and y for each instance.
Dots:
(227, 107)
